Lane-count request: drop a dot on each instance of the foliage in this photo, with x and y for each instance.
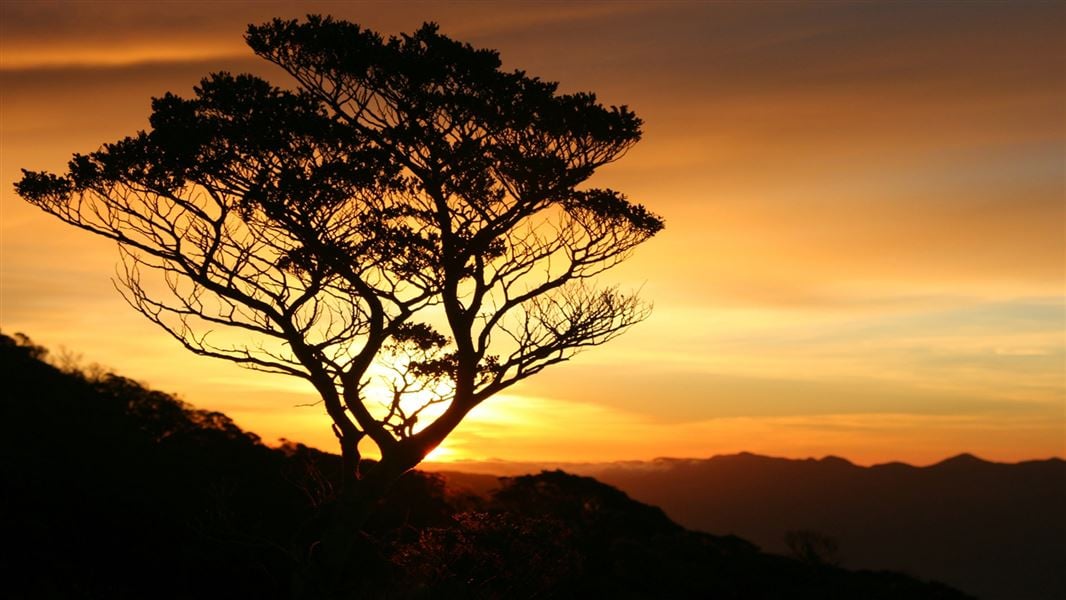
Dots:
(812, 547)
(408, 229)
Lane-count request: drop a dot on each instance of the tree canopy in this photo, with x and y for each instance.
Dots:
(405, 227)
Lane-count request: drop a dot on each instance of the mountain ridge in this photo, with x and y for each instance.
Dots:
(992, 529)
(495, 466)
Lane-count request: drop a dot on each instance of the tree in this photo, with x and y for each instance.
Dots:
(403, 228)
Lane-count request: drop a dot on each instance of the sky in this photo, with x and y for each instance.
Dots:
(864, 253)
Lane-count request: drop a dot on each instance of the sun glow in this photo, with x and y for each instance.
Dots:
(442, 453)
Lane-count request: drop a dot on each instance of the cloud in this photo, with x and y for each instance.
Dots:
(670, 394)
(943, 355)
(96, 34)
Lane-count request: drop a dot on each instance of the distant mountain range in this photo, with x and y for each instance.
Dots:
(994, 530)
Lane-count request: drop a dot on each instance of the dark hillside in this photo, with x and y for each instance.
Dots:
(112, 490)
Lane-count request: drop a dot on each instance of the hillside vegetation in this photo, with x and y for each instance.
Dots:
(113, 490)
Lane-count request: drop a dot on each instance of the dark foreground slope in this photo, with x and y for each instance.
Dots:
(111, 490)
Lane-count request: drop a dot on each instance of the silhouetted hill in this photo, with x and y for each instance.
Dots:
(593, 541)
(112, 490)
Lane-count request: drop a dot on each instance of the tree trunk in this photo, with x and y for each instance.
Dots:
(334, 567)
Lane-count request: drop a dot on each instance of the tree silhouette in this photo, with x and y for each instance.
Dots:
(403, 229)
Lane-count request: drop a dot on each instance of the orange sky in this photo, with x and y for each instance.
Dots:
(864, 252)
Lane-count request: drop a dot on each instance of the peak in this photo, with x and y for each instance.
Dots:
(836, 460)
(964, 459)
(741, 456)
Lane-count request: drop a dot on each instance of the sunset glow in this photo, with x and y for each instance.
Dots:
(864, 256)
